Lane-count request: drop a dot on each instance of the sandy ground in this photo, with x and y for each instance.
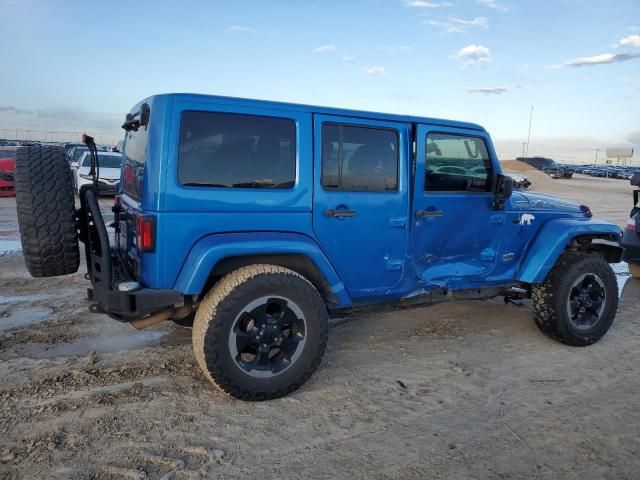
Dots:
(465, 390)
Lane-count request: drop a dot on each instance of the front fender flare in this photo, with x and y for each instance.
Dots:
(550, 242)
(208, 251)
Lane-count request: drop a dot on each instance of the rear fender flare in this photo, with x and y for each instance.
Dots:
(210, 250)
(553, 238)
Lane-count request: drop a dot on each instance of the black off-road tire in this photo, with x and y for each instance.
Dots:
(46, 211)
(221, 307)
(549, 299)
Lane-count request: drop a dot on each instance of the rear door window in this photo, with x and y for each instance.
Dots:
(359, 159)
(229, 150)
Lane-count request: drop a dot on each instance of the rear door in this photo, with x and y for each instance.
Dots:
(360, 204)
(456, 232)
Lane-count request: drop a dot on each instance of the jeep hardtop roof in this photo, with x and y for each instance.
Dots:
(273, 105)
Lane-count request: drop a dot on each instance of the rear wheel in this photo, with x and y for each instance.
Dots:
(46, 211)
(260, 332)
(577, 302)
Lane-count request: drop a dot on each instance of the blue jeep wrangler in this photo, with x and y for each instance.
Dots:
(256, 221)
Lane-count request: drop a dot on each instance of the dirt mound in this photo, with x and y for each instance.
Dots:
(540, 181)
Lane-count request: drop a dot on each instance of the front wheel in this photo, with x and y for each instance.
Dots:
(260, 332)
(577, 302)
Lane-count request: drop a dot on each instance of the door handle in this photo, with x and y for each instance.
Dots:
(429, 213)
(339, 213)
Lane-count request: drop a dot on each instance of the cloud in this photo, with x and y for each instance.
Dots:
(458, 25)
(597, 60)
(425, 4)
(240, 29)
(374, 71)
(11, 109)
(492, 4)
(487, 90)
(325, 49)
(63, 123)
(473, 55)
(346, 58)
(476, 22)
(630, 41)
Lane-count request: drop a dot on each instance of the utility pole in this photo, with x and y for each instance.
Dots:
(523, 144)
(597, 150)
(529, 134)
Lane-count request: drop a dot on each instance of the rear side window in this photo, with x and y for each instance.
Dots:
(457, 163)
(135, 146)
(237, 151)
(359, 159)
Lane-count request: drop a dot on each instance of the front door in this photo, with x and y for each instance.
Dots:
(361, 203)
(456, 232)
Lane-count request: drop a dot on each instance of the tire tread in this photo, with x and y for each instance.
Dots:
(46, 211)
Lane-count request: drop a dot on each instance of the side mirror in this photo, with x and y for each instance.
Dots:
(502, 191)
(635, 180)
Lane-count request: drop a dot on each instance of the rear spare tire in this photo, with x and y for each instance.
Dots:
(46, 211)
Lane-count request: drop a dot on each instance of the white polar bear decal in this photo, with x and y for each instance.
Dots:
(526, 219)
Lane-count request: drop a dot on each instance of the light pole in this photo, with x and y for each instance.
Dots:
(529, 134)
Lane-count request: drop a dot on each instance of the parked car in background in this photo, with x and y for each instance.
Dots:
(109, 164)
(547, 165)
(70, 146)
(75, 153)
(7, 170)
(519, 180)
(622, 172)
(567, 170)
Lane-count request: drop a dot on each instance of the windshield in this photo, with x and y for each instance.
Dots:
(104, 161)
(77, 153)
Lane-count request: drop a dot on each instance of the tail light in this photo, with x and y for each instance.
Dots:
(631, 224)
(146, 233)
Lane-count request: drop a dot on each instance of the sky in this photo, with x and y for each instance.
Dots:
(73, 66)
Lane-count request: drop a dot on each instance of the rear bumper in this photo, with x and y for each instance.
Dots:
(113, 290)
(130, 305)
(631, 244)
